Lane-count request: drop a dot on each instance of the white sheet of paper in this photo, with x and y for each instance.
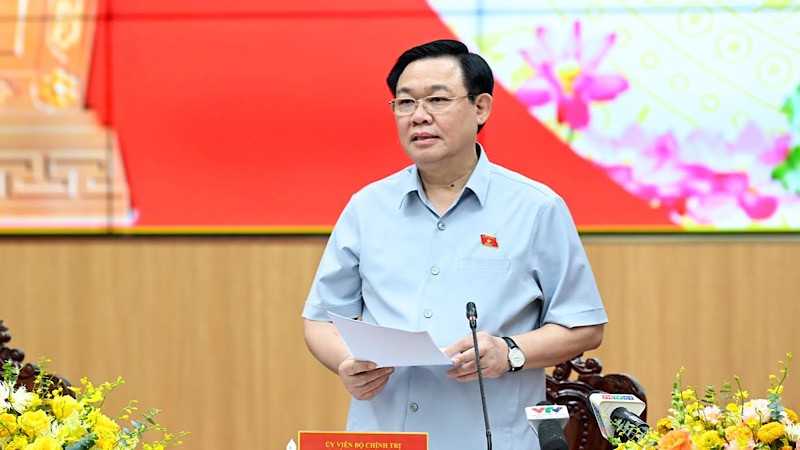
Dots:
(388, 347)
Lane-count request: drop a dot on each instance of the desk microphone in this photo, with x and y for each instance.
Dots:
(472, 315)
(618, 415)
(548, 422)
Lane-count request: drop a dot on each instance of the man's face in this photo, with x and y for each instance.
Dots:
(444, 137)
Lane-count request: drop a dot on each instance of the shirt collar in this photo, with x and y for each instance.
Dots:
(478, 181)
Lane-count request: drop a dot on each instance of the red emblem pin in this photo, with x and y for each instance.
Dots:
(489, 241)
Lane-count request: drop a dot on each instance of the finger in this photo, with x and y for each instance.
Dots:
(353, 367)
(464, 369)
(376, 375)
(459, 346)
(470, 376)
(368, 390)
(469, 372)
(367, 378)
(465, 357)
(370, 394)
(467, 378)
(375, 383)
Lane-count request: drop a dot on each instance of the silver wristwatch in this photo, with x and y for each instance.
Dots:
(516, 359)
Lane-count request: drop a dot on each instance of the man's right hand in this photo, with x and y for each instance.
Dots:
(362, 379)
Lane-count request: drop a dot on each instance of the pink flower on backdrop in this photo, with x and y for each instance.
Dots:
(569, 77)
(703, 177)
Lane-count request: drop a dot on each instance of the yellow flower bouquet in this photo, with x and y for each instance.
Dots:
(726, 419)
(48, 418)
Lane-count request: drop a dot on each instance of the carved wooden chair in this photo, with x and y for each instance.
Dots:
(582, 431)
(28, 372)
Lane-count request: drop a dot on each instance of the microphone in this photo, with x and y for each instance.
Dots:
(618, 415)
(548, 422)
(472, 315)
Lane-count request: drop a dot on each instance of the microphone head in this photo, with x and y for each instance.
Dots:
(551, 437)
(604, 404)
(472, 315)
(472, 311)
(629, 426)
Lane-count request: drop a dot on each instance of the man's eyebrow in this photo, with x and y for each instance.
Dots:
(431, 88)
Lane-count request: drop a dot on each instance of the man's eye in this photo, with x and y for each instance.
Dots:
(440, 100)
(404, 101)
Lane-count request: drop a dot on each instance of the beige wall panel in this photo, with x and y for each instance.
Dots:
(719, 308)
(209, 330)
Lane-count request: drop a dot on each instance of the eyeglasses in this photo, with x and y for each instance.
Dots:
(434, 104)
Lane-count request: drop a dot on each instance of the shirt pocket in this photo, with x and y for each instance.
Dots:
(499, 264)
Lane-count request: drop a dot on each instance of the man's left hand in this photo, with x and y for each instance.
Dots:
(494, 357)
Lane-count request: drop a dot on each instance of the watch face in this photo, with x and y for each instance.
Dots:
(516, 357)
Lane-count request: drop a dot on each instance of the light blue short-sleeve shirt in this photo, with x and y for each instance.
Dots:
(394, 261)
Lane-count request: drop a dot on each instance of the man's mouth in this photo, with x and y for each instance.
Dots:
(422, 137)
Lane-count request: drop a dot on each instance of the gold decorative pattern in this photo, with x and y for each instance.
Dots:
(67, 172)
(56, 51)
(57, 89)
(59, 167)
(12, 33)
(45, 174)
(66, 30)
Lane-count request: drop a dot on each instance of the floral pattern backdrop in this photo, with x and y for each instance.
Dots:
(690, 106)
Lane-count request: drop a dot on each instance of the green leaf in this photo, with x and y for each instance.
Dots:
(85, 443)
(788, 172)
(791, 109)
(10, 372)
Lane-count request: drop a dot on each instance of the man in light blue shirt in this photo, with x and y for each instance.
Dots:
(409, 252)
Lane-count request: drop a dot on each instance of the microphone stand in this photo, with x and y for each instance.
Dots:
(472, 315)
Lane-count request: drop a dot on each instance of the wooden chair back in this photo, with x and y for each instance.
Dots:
(28, 372)
(582, 431)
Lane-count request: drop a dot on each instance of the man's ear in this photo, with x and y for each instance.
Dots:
(484, 104)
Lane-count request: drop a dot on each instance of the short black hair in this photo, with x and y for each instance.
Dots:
(475, 71)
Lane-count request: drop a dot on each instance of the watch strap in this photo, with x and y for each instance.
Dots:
(511, 345)
(510, 342)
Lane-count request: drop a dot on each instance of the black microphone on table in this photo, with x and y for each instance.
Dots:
(472, 315)
(548, 421)
(618, 415)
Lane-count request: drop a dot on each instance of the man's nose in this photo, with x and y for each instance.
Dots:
(420, 114)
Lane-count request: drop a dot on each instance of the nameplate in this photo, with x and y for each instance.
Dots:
(319, 440)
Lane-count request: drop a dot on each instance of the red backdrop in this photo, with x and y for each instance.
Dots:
(267, 116)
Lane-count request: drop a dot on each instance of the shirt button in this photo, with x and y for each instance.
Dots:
(435, 270)
(414, 407)
(441, 226)
(427, 313)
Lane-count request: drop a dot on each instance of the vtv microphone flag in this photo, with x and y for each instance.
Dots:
(538, 414)
(618, 415)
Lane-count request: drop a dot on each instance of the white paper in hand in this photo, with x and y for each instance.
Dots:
(388, 347)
